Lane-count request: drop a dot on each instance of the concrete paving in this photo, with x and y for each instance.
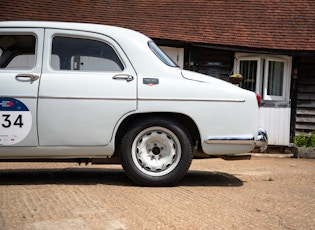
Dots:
(266, 192)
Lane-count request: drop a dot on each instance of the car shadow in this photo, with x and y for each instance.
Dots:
(92, 176)
(205, 178)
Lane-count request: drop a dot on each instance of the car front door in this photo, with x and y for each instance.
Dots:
(20, 72)
(87, 85)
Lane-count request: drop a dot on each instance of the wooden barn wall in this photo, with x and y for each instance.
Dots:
(212, 62)
(305, 111)
(276, 121)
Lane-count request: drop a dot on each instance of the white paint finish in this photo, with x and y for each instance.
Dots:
(82, 107)
(24, 89)
(79, 122)
(86, 108)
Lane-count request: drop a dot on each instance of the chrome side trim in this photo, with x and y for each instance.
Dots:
(191, 99)
(18, 96)
(236, 140)
(139, 99)
(86, 98)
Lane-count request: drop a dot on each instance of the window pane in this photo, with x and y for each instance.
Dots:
(22, 62)
(275, 78)
(83, 55)
(161, 55)
(18, 51)
(249, 71)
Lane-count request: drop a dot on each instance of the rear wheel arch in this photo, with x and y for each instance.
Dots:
(186, 121)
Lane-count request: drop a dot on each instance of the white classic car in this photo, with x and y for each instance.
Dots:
(103, 94)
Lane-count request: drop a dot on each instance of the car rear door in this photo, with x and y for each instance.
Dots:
(20, 71)
(87, 85)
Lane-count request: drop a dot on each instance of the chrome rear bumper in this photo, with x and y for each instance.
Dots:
(261, 140)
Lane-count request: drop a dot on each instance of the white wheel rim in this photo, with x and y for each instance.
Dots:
(156, 151)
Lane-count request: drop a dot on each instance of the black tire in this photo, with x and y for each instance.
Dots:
(156, 152)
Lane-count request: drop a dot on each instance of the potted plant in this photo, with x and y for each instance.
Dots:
(236, 78)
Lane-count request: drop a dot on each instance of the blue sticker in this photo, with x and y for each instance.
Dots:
(15, 121)
(12, 104)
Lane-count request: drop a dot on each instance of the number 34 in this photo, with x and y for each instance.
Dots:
(7, 123)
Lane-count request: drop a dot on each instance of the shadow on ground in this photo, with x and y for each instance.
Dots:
(92, 176)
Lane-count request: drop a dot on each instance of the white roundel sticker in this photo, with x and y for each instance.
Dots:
(15, 121)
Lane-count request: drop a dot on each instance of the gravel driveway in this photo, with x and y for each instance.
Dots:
(262, 193)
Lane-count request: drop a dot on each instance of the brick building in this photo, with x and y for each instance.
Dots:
(271, 43)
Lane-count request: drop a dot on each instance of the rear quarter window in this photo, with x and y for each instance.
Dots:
(161, 55)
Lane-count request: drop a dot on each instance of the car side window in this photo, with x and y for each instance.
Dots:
(78, 54)
(17, 51)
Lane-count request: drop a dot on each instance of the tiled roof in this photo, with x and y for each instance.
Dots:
(274, 24)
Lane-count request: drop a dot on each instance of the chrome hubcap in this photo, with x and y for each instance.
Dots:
(156, 151)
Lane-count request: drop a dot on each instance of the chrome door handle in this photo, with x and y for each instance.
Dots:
(123, 77)
(23, 76)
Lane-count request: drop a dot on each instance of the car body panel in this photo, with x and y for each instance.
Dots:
(23, 89)
(82, 107)
(77, 114)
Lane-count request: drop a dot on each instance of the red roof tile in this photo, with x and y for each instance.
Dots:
(274, 24)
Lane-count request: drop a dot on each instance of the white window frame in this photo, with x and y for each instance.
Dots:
(286, 79)
(262, 73)
(259, 68)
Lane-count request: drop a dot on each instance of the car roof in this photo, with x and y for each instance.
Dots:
(111, 31)
(133, 43)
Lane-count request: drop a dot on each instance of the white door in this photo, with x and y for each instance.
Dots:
(20, 71)
(87, 85)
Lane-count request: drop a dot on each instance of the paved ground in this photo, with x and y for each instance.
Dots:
(263, 193)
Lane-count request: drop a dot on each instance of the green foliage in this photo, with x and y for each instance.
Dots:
(305, 140)
(311, 140)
